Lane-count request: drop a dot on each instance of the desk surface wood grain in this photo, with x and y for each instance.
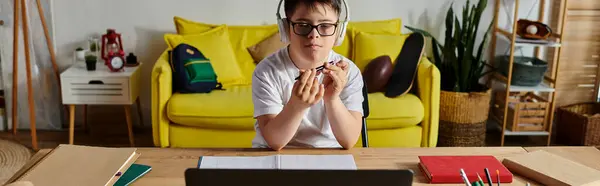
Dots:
(169, 164)
(588, 156)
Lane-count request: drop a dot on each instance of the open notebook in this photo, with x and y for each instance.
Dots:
(329, 162)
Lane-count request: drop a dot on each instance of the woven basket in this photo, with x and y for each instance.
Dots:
(463, 118)
(579, 124)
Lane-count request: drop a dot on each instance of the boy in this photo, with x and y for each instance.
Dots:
(320, 109)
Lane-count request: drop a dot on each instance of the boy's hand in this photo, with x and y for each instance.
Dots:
(336, 77)
(306, 91)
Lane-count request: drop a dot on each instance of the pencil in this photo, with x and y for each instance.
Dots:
(489, 177)
(498, 175)
(320, 68)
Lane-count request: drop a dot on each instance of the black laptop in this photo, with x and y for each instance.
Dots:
(288, 177)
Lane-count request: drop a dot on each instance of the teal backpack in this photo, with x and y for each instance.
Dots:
(192, 71)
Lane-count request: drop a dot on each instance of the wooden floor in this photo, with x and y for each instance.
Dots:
(106, 127)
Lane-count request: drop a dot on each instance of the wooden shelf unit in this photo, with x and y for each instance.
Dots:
(508, 110)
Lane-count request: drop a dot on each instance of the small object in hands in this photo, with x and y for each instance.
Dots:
(320, 68)
(489, 177)
(131, 60)
(533, 29)
(377, 73)
(464, 177)
(405, 69)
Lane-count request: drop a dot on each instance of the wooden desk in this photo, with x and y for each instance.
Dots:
(587, 156)
(168, 165)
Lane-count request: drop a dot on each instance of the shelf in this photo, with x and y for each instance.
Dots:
(508, 132)
(506, 36)
(542, 87)
(526, 133)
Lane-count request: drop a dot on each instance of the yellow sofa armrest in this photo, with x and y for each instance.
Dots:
(428, 86)
(161, 93)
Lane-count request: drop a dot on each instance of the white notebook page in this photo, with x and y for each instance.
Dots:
(238, 162)
(330, 162)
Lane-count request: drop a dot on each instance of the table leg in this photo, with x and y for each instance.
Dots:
(85, 118)
(71, 123)
(129, 127)
(139, 110)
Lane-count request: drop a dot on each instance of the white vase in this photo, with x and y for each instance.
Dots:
(80, 55)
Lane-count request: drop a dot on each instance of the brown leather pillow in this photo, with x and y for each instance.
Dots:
(266, 47)
(377, 73)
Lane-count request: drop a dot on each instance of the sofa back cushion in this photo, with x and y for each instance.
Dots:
(240, 37)
(390, 26)
(214, 44)
(243, 37)
(368, 46)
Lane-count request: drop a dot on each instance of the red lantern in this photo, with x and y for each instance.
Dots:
(111, 43)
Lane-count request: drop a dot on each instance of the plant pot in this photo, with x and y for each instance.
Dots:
(90, 65)
(463, 118)
(80, 55)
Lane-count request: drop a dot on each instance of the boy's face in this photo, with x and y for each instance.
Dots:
(313, 44)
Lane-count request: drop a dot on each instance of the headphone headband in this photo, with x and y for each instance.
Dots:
(343, 1)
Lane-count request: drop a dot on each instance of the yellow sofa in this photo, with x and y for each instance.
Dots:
(223, 118)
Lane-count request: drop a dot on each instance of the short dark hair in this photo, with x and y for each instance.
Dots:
(291, 5)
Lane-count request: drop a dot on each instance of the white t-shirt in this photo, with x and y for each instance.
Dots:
(272, 84)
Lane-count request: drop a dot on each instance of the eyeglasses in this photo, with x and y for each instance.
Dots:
(324, 29)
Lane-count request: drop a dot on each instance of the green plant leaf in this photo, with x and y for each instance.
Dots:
(425, 33)
(459, 66)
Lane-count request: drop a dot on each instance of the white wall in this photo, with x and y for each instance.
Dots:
(143, 22)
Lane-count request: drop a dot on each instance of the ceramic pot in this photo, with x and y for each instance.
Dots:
(80, 55)
(90, 65)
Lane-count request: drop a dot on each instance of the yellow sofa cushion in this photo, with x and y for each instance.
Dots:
(390, 26)
(388, 113)
(222, 109)
(214, 45)
(369, 46)
(240, 36)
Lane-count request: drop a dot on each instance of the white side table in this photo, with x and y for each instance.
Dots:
(100, 87)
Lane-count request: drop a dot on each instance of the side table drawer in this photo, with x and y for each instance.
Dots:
(89, 90)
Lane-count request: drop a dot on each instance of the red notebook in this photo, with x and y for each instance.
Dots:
(446, 169)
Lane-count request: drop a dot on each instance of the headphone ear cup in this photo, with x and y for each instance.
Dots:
(342, 35)
(283, 30)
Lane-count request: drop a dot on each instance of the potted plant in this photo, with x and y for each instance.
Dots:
(464, 102)
(90, 62)
(94, 45)
(79, 54)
